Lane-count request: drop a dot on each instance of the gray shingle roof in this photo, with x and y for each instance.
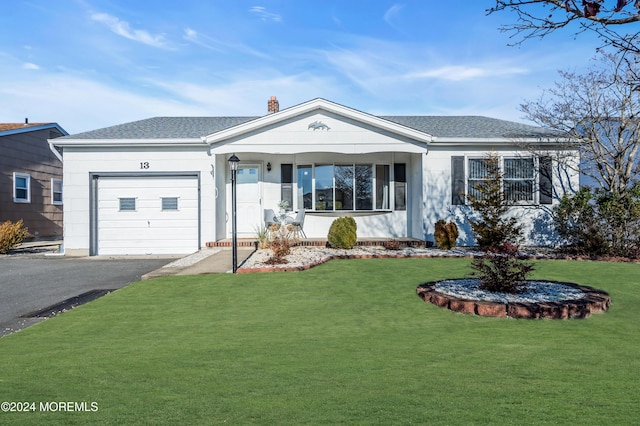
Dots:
(164, 128)
(469, 127)
(196, 127)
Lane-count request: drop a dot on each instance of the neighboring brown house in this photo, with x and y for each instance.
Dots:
(31, 177)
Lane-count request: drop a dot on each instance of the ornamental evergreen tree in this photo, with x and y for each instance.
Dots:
(493, 227)
(500, 268)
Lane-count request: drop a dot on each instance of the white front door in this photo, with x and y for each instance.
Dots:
(248, 200)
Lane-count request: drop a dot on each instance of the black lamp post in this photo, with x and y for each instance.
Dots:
(233, 166)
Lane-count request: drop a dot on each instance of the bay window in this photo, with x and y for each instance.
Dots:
(343, 187)
(324, 187)
(305, 187)
(382, 187)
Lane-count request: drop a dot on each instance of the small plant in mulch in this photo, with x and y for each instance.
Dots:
(280, 242)
(445, 234)
(262, 234)
(501, 269)
(392, 245)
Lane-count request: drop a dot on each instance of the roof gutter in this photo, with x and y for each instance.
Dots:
(55, 151)
(85, 143)
(542, 141)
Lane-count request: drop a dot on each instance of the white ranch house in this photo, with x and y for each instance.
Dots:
(162, 185)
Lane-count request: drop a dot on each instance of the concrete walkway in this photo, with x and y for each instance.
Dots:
(206, 261)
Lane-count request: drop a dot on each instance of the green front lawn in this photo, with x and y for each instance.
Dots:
(346, 342)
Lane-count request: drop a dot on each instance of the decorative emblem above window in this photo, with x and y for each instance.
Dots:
(318, 125)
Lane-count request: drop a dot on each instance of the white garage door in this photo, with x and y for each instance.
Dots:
(147, 215)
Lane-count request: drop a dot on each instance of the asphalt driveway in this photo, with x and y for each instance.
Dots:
(32, 283)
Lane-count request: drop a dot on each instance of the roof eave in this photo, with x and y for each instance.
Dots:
(541, 141)
(79, 143)
(26, 129)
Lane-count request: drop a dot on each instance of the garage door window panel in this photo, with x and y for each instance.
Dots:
(127, 204)
(169, 203)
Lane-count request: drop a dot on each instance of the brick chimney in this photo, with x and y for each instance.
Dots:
(273, 105)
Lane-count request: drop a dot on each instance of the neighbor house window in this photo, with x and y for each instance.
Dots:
(56, 191)
(127, 204)
(169, 203)
(21, 188)
(347, 187)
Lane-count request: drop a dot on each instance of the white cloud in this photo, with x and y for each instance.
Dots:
(263, 14)
(30, 66)
(462, 72)
(391, 16)
(122, 28)
(196, 38)
(202, 40)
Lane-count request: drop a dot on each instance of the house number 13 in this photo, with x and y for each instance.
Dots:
(144, 165)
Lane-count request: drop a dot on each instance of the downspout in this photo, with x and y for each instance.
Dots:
(55, 151)
(59, 157)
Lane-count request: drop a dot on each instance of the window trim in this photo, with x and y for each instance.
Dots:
(27, 188)
(54, 192)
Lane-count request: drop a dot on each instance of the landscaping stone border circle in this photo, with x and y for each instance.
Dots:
(594, 301)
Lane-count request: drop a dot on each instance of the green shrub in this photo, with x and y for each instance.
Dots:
(445, 235)
(342, 233)
(12, 234)
(599, 223)
(501, 270)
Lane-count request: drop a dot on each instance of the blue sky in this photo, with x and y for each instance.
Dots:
(87, 64)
